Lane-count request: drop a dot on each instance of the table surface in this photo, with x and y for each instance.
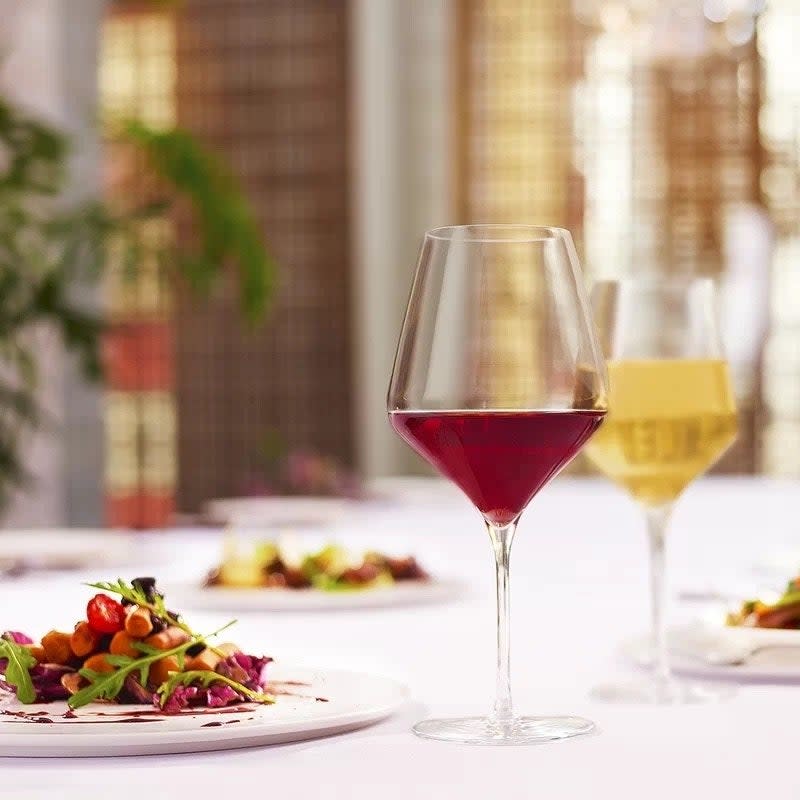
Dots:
(579, 587)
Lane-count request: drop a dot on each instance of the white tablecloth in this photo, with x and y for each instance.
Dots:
(579, 588)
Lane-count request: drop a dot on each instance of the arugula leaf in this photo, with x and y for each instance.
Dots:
(147, 649)
(126, 590)
(205, 678)
(118, 661)
(17, 673)
(102, 686)
(106, 686)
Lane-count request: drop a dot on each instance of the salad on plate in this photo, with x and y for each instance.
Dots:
(783, 613)
(129, 648)
(331, 569)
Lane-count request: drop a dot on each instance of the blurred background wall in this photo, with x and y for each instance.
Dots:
(665, 135)
(49, 64)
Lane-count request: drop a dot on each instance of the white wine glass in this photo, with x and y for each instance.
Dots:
(671, 415)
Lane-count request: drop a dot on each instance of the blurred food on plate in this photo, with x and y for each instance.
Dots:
(760, 613)
(332, 568)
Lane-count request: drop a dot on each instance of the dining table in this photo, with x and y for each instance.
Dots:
(579, 590)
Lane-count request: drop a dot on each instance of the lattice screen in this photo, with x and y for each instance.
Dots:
(700, 164)
(265, 84)
(779, 36)
(137, 79)
(516, 154)
(519, 61)
(644, 159)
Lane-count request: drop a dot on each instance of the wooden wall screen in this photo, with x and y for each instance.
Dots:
(137, 79)
(514, 148)
(517, 63)
(265, 84)
(706, 136)
(779, 34)
(640, 159)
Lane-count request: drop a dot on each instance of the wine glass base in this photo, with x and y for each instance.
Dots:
(651, 692)
(519, 730)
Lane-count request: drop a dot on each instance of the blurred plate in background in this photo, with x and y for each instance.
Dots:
(715, 650)
(412, 490)
(220, 598)
(23, 551)
(271, 512)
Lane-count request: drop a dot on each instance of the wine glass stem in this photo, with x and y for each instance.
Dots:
(657, 519)
(502, 537)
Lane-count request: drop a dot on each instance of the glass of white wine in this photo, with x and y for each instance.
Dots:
(672, 414)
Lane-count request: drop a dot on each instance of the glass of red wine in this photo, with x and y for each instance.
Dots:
(498, 382)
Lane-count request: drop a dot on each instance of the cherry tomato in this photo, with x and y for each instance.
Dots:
(104, 614)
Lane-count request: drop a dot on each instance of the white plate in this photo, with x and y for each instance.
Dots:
(270, 512)
(688, 643)
(65, 548)
(410, 490)
(354, 700)
(220, 598)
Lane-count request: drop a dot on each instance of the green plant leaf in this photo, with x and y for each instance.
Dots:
(223, 215)
(49, 250)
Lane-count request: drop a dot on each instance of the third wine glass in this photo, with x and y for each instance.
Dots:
(672, 415)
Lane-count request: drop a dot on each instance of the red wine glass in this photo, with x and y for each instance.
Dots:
(498, 382)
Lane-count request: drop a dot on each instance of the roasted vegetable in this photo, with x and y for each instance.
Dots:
(84, 639)
(57, 647)
(138, 623)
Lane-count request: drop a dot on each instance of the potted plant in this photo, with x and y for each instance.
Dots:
(46, 250)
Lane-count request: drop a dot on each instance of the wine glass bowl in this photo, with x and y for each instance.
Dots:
(498, 382)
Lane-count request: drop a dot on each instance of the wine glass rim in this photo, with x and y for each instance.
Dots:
(513, 232)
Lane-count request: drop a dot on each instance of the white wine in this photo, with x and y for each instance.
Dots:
(669, 420)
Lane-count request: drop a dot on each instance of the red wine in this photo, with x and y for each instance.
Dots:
(500, 459)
